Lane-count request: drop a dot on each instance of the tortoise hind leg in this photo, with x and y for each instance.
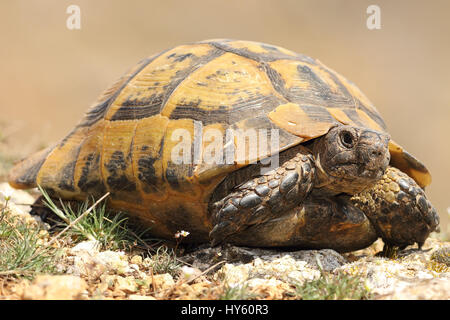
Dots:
(47, 215)
(263, 197)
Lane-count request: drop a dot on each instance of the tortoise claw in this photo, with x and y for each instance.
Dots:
(420, 244)
(218, 233)
(389, 251)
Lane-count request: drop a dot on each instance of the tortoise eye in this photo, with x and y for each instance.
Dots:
(347, 139)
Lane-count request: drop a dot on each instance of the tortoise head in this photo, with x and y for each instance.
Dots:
(350, 159)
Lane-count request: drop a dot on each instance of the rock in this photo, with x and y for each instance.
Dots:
(136, 260)
(329, 259)
(206, 257)
(189, 273)
(139, 297)
(162, 282)
(405, 275)
(147, 262)
(117, 286)
(108, 280)
(115, 262)
(121, 286)
(126, 284)
(19, 205)
(285, 268)
(428, 289)
(20, 200)
(233, 275)
(85, 265)
(246, 264)
(92, 264)
(91, 247)
(272, 288)
(199, 290)
(268, 274)
(60, 287)
(442, 255)
(272, 274)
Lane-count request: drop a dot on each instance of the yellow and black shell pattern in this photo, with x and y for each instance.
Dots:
(123, 144)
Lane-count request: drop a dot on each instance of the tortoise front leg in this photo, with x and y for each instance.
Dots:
(264, 197)
(398, 208)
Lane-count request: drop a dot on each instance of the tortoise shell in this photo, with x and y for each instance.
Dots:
(124, 142)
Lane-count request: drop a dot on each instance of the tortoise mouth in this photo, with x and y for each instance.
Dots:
(372, 174)
(347, 182)
(363, 171)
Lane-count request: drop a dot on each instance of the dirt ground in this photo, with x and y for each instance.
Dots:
(40, 263)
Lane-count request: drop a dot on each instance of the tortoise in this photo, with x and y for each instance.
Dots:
(332, 177)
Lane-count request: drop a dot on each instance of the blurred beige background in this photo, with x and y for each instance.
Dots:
(49, 74)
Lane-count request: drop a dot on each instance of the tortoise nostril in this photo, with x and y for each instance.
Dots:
(377, 153)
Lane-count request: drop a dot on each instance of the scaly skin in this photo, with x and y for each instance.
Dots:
(345, 160)
(264, 197)
(398, 208)
(339, 193)
(395, 209)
